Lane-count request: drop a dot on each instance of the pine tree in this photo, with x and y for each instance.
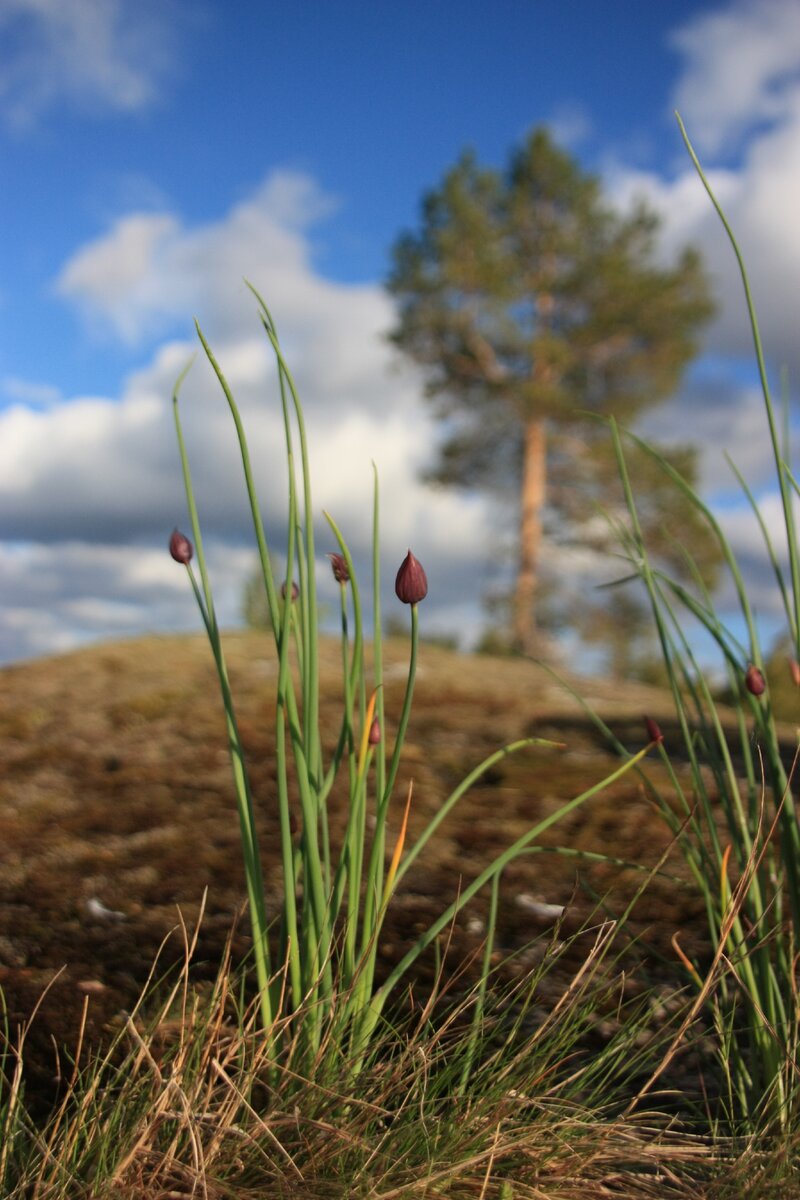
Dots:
(530, 303)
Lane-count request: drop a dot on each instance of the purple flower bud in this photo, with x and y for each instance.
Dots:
(411, 585)
(653, 730)
(295, 590)
(794, 671)
(754, 681)
(374, 732)
(339, 567)
(180, 547)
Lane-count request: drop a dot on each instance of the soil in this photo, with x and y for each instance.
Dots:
(117, 813)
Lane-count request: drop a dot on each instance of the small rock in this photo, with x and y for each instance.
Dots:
(91, 987)
(98, 910)
(546, 912)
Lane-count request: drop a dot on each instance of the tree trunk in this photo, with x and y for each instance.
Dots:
(534, 477)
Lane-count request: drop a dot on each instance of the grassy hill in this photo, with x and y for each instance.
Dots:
(116, 792)
(117, 816)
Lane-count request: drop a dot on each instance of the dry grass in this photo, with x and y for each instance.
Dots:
(187, 1102)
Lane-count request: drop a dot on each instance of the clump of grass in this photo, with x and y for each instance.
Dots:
(334, 897)
(191, 1099)
(736, 819)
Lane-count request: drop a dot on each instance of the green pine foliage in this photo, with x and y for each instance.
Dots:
(533, 306)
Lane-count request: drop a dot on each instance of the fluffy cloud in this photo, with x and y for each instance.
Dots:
(740, 74)
(59, 596)
(740, 70)
(90, 487)
(727, 423)
(150, 270)
(95, 55)
(25, 391)
(739, 95)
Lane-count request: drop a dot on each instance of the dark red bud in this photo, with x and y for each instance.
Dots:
(180, 547)
(295, 590)
(794, 671)
(653, 730)
(754, 681)
(411, 585)
(339, 567)
(374, 732)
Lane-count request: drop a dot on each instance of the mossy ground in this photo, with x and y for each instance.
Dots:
(116, 789)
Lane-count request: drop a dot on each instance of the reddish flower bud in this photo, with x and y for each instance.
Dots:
(754, 681)
(374, 732)
(794, 671)
(180, 547)
(653, 730)
(295, 590)
(339, 567)
(411, 585)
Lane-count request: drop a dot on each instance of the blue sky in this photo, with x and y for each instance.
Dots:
(155, 153)
(372, 101)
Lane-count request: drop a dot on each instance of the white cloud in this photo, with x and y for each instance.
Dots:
(741, 68)
(113, 277)
(38, 395)
(59, 596)
(739, 95)
(90, 487)
(149, 269)
(570, 124)
(94, 55)
(725, 421)
(738, 61)
(746, 539)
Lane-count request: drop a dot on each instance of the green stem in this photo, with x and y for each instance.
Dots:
(369, 1017)
(244, 800)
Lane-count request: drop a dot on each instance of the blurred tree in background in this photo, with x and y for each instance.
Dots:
(530, 303)
(255, 610)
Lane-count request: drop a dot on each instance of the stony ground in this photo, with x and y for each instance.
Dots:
(117, 811)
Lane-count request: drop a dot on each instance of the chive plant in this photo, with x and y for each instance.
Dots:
(735, 817)
(335, 898)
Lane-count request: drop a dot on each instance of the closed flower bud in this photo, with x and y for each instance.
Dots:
(794, 671)
(180, 547)
(374, 732)
(653, 730)
(411, 585)
(295, 590)
(754, 681)
(339, 567)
